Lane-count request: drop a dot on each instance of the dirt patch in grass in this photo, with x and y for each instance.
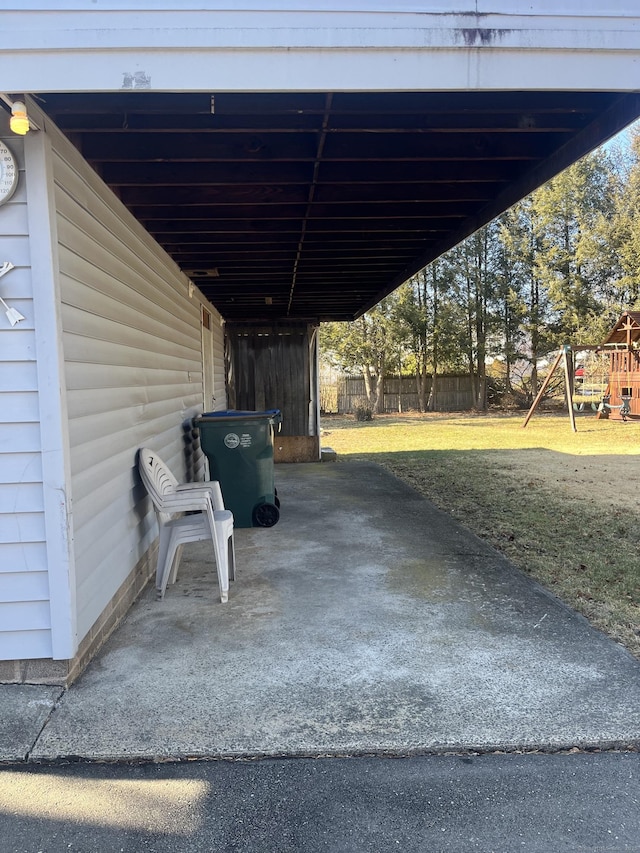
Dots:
(563, 508)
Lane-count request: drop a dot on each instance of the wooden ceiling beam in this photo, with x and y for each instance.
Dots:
(520, 121)
(217, 228)
(304, 103)
(419, 209)
(204, 174)
(264, 194)
(301, 147)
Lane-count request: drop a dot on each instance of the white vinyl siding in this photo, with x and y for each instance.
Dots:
(133, 372)
(25, 622)
(132, 376)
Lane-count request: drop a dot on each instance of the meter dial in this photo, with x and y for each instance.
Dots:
(8, 173)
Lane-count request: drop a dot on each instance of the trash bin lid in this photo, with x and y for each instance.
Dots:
(236, 414)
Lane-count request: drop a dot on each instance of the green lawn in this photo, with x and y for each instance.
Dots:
(563, 506)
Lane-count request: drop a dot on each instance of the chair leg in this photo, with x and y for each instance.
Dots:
(231, 553)
(222, 562)
(223, 576)
(163, 550)
(173, 574)
(167, 560)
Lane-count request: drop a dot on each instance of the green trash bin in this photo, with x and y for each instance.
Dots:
(239, 447)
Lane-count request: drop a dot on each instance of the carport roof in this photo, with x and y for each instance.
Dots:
(314, 206)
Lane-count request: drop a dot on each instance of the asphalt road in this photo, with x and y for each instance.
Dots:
(581, 803)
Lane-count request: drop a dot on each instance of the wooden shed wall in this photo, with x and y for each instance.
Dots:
(274, 368)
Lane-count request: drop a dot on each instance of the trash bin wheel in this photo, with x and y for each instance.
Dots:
(276, 501)
(266, 515)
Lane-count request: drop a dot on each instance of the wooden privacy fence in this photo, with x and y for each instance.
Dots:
(453, 393)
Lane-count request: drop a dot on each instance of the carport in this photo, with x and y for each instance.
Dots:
(200, 173)
(289, 209)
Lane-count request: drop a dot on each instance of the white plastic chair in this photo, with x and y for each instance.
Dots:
(209, 520)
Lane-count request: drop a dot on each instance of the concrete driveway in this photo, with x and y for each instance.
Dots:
(365, 622)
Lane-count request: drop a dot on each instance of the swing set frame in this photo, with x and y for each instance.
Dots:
(623, 344)
(564, 358)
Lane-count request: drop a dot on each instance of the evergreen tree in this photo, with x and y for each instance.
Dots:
(621, 235)
(568, 210)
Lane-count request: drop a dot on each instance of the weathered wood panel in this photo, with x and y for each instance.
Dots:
(270, 368)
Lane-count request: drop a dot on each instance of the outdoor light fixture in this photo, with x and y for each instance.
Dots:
(19, 121)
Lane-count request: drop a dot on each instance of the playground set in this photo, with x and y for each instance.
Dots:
(607, 379)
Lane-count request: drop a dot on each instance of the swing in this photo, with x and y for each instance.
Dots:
(625, 406)
(624, 394)
(590, 381)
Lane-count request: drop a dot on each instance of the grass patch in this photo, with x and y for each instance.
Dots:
(563, 507)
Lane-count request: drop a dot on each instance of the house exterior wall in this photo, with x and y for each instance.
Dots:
(129, 340)
(325, 45)
(25, 620)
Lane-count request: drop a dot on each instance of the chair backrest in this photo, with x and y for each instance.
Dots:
(159, 482)
(157, 478)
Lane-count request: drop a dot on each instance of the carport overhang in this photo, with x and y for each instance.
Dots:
(299, 165)
(313, 206)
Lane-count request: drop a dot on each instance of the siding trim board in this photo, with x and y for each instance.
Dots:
(53, 409)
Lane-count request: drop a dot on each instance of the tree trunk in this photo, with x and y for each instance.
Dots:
(481, 388)
(535, 335)
(379, 404)
(432, 405)
(369, 387)
(433, 394)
